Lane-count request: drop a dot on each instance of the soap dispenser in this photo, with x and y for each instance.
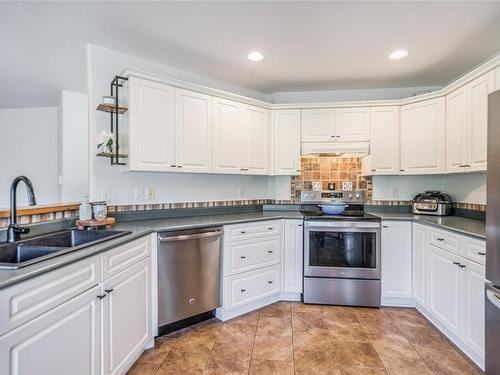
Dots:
(85, 210)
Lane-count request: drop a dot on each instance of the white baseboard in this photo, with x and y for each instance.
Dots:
(450, 335)
(291, 296)
(223, 314)
(397, 302)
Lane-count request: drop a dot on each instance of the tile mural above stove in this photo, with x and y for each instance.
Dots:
(331, 170)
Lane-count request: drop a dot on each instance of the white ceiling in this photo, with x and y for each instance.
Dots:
(307, 45)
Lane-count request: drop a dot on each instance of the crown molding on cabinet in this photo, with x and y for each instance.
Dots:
(127, 72)
(486, 66)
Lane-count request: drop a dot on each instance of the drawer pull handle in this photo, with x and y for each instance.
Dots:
(385, 226)
(440, 239)
(109, 290)
(270, 251)
(461, 265)
(101, 296)
(243, 257)
(243, 290)
(456, 263)
(481, 253)
(269, 281)
(243, 231)
(270, 228)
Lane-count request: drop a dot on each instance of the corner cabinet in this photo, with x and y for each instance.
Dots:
(151, 123)
(422, 137)
(384, 141)
(396, 257)
(467, 125)
(286, 141)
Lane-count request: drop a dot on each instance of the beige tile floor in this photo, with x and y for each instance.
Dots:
(293, 338)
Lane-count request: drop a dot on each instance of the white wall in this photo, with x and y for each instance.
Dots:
(348, 95)
(73, 150)
(29, 146)
(469, 188)
(103, 64)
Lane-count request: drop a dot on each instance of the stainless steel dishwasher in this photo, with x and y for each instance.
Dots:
(189, 268)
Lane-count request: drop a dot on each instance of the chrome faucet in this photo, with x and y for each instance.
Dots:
(14, 231)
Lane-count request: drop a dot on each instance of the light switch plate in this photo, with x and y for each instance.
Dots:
(151, 193)
(316, 186)
(347, 185)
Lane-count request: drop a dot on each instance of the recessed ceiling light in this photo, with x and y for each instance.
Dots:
(255, 56)
(398, 55)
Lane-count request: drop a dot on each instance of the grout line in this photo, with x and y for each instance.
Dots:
(213, 346)
(253, 344)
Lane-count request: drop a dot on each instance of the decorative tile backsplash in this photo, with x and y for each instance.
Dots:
(327, 170)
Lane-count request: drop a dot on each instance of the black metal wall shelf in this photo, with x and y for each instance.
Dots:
(115, 111)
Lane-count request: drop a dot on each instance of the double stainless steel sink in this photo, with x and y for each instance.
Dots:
(23, 253)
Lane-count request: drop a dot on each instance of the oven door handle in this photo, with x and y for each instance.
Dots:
(323, 225)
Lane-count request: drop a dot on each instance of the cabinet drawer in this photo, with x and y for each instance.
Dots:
(252, 254)
(27, 300)
(446, 240)
(251, 286)
(122, 257)
(253, 230)
(474, 250)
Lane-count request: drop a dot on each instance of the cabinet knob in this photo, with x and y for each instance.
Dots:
(269, 281)
(101, 296)
(456, 263)
(297, 170)
(461, 265)
(481, 253)
(179, 166)
(270, 251)
(243, 231)
(243, 290)
(374, 170)
(385, 226)
(243, 257)
(173, 165)
(300, 225)
(401, 170)
(109, 290)
(270, 228)
(440, 239)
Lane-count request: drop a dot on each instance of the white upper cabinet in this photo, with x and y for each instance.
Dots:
(318, 125)
(384, 140)
(422, 137)
(352, 124)
(286, 142)
(480, 88)
(227, 136)
(256, 158)
(396, 261)
(467, 125)
(193, 146)
(456, 130)
(151, 125)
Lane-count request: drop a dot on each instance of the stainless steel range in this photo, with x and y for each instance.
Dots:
(341, 251)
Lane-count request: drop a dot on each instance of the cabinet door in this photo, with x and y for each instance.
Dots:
(396, 259)
(480, 88)
(352, 124)
(126, 317)
(384, 140)
(445, 288)
(193, 131)
(473, 304)
(318, 125)
(420, 264)
(65, 340)
(229, 137)
(456, 130)
(151, 125)
(287, 142)
(256, 144)
(423, 137)
(293, 255)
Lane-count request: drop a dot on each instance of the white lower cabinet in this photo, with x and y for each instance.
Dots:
(126, 317)
(101, 329)
(449, 286)
(293, 254)
(65, 340)
(396, 258)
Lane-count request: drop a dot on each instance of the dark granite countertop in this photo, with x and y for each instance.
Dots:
(461, 225)
(139, 228)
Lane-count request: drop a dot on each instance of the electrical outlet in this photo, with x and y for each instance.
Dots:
(151, 193)
(347, 185)
(106, 194)
(140, 194)
(394, 192)
(316, 186)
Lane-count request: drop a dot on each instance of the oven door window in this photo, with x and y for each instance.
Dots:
(342, 249)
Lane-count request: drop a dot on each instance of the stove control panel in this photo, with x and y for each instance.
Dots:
(328, 196)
